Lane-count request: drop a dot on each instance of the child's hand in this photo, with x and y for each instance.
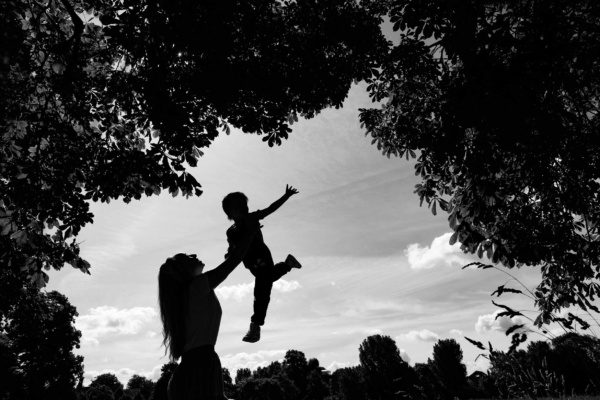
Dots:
(290, 191)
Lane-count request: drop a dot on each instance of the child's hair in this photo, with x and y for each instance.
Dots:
(229, 199)
(173, 281)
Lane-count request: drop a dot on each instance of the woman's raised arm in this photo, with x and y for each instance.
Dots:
(219, 274)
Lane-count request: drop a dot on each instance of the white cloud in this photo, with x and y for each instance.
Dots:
(424, 335)
(489, 322)
(150, 334)
(404, 355)
(362, 331)
(439, 254)
(236, 292)
(338, 365)
(239, 292)
(456, 332)
(154, 374)
(284, 286)
(261, 358)
(105, 320)
(481, 364)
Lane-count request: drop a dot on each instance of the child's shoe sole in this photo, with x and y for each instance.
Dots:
(251, 338)
(253, 334)
(292, 262)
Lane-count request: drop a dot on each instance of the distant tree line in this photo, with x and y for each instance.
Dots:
(568, 364)
(32, 368)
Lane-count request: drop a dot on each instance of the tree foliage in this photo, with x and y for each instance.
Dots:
(110, 381)
(429, 386)
(316, 386)
(99, 392)
(567, 364)
(241, 374)
(295, 377)
(295, 367)
(160, 388)
(109, 99)
(262, 389)
(348, 384)
(39, 337)
(448, 368)
(139, 387)
(498, 103)
(386, 374)
(576, 357)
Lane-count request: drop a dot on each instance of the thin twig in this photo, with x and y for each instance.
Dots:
(78, 31)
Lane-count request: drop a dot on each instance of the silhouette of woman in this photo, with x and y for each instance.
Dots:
(191, 315)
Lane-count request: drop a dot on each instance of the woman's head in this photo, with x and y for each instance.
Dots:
(174, 277)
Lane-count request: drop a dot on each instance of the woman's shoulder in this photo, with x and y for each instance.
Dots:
(200, 284)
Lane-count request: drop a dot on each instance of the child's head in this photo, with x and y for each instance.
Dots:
(235, 205)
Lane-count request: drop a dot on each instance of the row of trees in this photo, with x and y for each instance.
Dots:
(38, 338)
(569, 364)
(108, 387)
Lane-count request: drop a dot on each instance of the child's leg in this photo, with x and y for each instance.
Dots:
(279, 270)
(262, 293)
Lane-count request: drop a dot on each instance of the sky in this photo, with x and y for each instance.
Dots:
(373, 261)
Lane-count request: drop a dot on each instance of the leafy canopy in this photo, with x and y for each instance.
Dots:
(109, 99)
(498, 103)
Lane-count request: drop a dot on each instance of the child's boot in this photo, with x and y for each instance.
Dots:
(253, 334)
(292, 262)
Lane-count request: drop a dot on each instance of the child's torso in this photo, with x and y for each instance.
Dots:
(258, 252)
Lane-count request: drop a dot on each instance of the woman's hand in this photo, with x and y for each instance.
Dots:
(219, 274)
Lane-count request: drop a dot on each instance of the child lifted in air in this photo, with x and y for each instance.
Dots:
(258, 259)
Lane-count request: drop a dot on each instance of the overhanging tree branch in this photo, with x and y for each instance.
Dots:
(78, 31)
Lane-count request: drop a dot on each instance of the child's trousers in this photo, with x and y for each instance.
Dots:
(265, 276)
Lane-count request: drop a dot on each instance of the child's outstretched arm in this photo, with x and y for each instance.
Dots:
(289, 192)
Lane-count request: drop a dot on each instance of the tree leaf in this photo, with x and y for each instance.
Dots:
(453, 238)
(514, 328)
(479, 345)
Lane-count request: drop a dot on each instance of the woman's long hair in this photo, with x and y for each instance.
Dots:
(173, 282)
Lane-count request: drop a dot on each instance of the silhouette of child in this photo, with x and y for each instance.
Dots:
(258, 259)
